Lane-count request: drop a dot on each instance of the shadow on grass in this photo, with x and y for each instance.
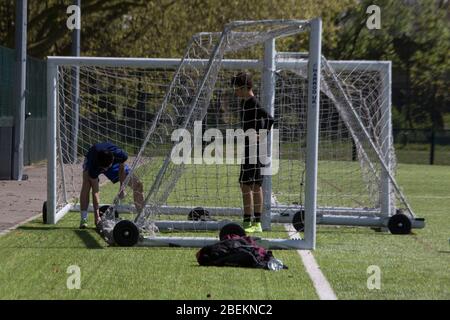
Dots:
(88, 239)
(86, 236)
(30, 228)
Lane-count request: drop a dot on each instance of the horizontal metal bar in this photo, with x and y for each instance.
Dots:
(280, 214)
(330, 220)
(62, 212)
(191, 225)
(358, 221)
(246, 23)
(418, 223)
(273, 244)
(149, 62)
(284, 210)
(170, 63)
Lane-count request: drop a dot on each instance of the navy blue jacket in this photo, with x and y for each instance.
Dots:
(91, 165)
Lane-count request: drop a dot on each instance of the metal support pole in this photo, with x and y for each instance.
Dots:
(268, 102)
(386, 202)
(20, 88)
(75, 83)
(312, 134)
(52, 96)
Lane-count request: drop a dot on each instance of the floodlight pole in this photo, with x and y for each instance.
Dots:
(20, 89)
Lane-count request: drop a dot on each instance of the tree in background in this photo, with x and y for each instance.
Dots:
(147, 28)
(414, 34)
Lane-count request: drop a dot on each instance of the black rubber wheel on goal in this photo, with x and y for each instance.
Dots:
(231, 228)
(125, 233)
(399, 223)
(105, 208)
(44, 212)
(298, 221)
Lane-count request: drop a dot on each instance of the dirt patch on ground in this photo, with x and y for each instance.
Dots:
(22, 200)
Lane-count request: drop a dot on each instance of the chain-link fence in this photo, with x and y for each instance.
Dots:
(35, 125)
(422, 146)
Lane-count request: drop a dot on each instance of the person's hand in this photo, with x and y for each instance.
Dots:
(97, 217)
(122, 194)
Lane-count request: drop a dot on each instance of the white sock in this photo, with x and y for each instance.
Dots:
(84, 214)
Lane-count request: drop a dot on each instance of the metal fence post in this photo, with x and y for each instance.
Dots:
(20, 88)
(432, 145)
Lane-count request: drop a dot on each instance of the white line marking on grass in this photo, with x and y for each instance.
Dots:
(321, 284)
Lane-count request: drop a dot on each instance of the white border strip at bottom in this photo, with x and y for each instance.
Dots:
(321, 284)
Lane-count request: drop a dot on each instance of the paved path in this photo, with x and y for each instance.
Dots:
(20, 201)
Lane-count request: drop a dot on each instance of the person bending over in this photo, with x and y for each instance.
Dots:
(108, 159)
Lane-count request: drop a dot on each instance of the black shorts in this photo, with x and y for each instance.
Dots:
(250, 167)
(251, 174)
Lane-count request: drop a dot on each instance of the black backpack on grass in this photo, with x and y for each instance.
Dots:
(235, 251)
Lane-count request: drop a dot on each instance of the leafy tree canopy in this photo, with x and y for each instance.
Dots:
(414, 35)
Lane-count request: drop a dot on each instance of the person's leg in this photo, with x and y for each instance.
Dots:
(257, 200)
(84, 199)
(114, 175)
(246, 183)
(247, 198)
(96, 199)
(257, 206)
(138, 193)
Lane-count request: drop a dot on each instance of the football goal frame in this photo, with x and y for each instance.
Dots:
(309, 213)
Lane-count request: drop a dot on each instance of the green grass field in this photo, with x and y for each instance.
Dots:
(35, 259)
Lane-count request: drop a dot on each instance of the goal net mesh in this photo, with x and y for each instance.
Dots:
(139, 108)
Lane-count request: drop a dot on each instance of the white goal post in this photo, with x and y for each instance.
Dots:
(343, 104)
